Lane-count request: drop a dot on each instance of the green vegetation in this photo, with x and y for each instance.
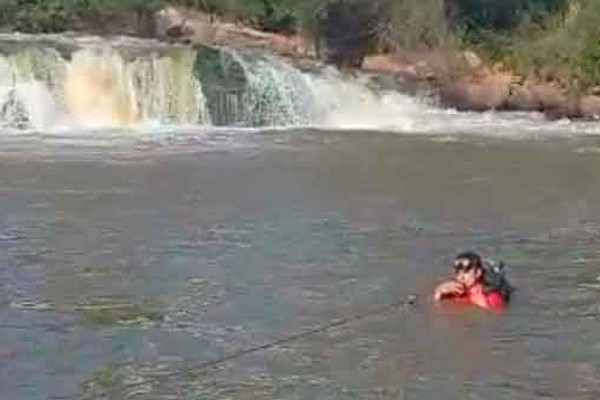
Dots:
(556, 40)
(59, 15)
(409, 24)
(272, 15)
(565, 48)
(550, 39)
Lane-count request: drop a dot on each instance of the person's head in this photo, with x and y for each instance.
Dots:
(468, 268)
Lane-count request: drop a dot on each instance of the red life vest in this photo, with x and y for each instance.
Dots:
(478, 296)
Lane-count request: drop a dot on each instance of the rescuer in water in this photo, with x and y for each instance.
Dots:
(473, 283)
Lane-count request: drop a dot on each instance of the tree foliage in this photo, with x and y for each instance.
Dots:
(542, 37)
(501, 15)
(58, 15)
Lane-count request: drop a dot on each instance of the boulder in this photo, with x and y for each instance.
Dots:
(589, 107)
(546, 96)
(567, 108)
(390, 64)
(166, 20)
(543, 97)
(171, 23)
(182, 24)
(550, 100)
(381, 63)
(487, 93)
(291, 45)
(238, 35)
(520, 99)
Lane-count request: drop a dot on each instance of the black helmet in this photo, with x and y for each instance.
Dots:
(467, 261)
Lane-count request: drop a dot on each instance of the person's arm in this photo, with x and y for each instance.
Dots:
(449, 289)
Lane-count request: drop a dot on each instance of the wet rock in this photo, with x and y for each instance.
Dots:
(175, 24)
(589, 107)
(487, 93)
(459, 95)
(180, 24)
(567, 108)
(520, 99)
(381, 63)
(166, 20)
(543, 97)
(550, 100)
(546, 97)
(390, 64)
(290, 45)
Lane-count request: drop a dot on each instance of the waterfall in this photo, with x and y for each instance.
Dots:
(98, 85)
(277, 94)
(249, 89)
(28, 80)
(104, 89)
(55, 81)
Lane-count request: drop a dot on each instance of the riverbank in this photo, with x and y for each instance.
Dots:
(460, 79)
(464, 82)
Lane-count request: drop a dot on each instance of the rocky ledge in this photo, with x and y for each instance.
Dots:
(460, 79)
(465, 83)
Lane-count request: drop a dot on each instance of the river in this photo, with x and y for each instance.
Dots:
(129, 256)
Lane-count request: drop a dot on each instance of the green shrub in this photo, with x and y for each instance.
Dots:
(501, 15)
(547, 38)
(566, 47)
(407, 24)
(57, 15)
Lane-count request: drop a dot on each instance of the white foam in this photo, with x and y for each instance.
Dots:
(98, 89)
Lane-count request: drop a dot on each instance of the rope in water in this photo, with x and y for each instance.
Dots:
(409, 301)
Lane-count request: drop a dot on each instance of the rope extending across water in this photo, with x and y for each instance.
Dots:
(406, 302)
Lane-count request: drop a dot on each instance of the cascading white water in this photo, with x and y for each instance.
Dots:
(277, 94)
(57, 81)
(30, 88)
(103, 89)
(264, 90)
(248, 89)
(97, 86)
(349, 103)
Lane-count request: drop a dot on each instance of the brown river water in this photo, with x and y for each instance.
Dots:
(125, 266)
